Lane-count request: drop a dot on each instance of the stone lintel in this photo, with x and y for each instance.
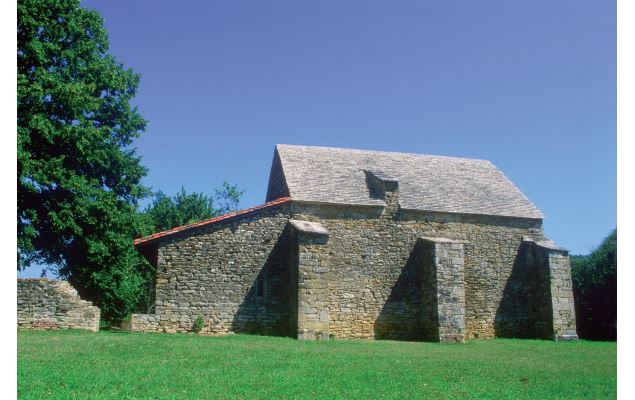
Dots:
(438, 240)
(309, 228)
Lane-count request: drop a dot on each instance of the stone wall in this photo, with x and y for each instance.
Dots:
(525, 310)
(538, 298)
(242, 275)
(237, 275)
(143, 323)
(375, 287)
(52, 304)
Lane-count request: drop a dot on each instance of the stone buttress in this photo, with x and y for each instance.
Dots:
(554, 261)
(443, 289)
(312, 280)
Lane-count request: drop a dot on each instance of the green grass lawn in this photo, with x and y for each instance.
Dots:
(110, 365)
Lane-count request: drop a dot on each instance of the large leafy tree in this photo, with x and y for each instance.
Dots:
(595, 289)
(78, 178)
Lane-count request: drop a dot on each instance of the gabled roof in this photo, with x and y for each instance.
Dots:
(430, 183)
(227, 217)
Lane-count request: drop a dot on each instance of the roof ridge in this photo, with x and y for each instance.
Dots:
(401, 153)
(207, 222)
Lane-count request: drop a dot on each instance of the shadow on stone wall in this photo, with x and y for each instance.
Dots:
(400, 317)
(525, 309)
(429, 292)
(270, 306)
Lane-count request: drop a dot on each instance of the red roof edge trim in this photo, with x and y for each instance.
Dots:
(207, 222)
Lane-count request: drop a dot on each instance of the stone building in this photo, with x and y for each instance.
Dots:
(367, 244)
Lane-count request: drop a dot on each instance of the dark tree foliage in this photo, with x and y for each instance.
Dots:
(78, 178)
(595, 291)
(168, 212)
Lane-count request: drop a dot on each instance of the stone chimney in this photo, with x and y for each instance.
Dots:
(385, 187)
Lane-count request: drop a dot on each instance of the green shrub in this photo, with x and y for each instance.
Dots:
(595, 291)
(198, 324)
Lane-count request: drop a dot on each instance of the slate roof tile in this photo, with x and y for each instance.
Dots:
(426, 182)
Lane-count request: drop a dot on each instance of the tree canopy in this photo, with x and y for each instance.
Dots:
(167, 212)
(78, 178)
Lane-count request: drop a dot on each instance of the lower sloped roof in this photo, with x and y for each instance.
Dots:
(208, 222)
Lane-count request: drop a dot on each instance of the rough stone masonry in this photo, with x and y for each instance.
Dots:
(51, 304)
(365, 244)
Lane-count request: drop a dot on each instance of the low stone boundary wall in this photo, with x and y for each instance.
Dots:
(52, 304)
(144, 323)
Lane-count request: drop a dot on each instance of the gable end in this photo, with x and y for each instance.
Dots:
(277, 187)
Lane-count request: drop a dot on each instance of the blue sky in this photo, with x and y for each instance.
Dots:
(530, 86)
